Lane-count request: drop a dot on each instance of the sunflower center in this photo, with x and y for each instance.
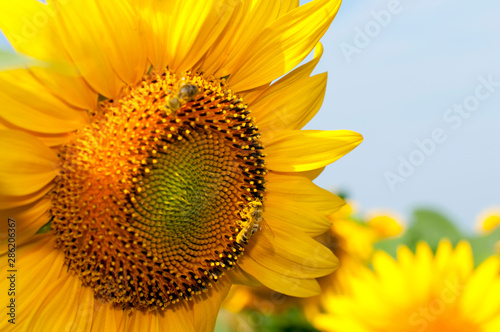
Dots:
(161, 192)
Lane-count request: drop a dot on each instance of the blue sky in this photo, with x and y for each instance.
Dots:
(401, 84)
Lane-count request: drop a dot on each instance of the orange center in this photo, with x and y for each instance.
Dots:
(158, 195)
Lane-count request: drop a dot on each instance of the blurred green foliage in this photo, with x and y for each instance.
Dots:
(291, 320)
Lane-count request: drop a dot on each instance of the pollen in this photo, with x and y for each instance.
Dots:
(158, 196)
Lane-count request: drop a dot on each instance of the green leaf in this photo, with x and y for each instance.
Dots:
(292, 320)
(45, 228)
(431, 226)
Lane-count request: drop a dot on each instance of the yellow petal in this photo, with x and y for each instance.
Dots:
(287, 5)
(38, 266)
(493, 325)
(30, 28)
(197, 315)
(104, 43)
(47, 139)
(291, 106)
(27, 219)
(250, 19)
(53, 297)
(294, 254)
(279, 282)
(180, 32)
(303, 71)
(251, 96)
(26, 165)
(313, 174)
(389, 275)
(283, 45)
(301, 192)
(305, 150)
(10, 202)
(282, 213)
(444, 254)
(464, 261)
(27, 104)
(240, 277)
(205, 309)
(479, 300)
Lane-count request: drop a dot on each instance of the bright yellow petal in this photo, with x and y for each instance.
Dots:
(26, 165)
(28, 220)
(193, 316)
(388, 272)
(303, 71)
(280, 281)
(481, 301)
(287, 5)
(493, 325)
(179, 33)
(312, 174)
(10, 202)
(305, 150)
(126, 47)
(444, 254)
(423, 270)
(250, 19)
(464, 261)
(283, 44)
(240, 277)
(47, 139)
(289, 107)
(31, 283)
(53, 297)
(282, 213)
(306, 258)
(302, 192)
(27, 104)
(104, 44)
(29, 27)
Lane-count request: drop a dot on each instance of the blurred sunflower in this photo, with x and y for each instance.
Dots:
(350, 238)
(152, 163)
(420, 292)
(487, 223)
(488, 220)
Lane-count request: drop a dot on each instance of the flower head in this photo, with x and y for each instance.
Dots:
(419, 292)
(152, 162)
(488, 220)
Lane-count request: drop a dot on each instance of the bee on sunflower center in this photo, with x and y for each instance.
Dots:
(183, 94)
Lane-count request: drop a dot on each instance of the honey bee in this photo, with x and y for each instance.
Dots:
(187, 92)
(254, 221)
(182, 95)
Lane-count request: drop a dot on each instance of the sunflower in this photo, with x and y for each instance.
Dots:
(488, 220)
(351, 239)
(420, 292)
(155, 158)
